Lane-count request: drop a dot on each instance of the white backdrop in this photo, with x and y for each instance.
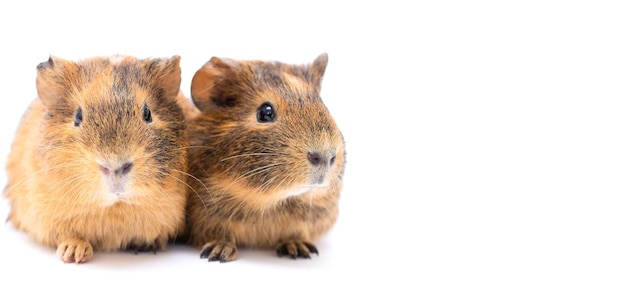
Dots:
(486, 146)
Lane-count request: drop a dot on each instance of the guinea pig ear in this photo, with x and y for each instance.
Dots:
(52, 79)
(209, 84)
(167, 75)
(317, 69)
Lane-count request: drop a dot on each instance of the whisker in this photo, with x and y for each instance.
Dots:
(198, 146)
(191, 187)
(164, 193)
(27, 177)
(258, 170)
(249, 174)
(250, 155)
(310, 216)
(269, 241)
(72, 191)
(265, 184)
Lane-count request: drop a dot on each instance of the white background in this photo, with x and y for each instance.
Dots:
(485, 139)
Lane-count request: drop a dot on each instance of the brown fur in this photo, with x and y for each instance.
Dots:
(252, 184)
(58, 188)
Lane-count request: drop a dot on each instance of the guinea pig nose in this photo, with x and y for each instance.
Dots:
(122, 170)
(324, 158)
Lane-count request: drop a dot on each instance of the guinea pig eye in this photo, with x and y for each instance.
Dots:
(147, 115)
(78, 117)
(266, 113)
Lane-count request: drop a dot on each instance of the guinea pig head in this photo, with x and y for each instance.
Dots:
(273, 136)
(112, 126)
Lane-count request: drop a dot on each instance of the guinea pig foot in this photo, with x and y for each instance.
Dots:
(157, 245)
(295, 249)
(222, 251)
(74, 250)
(143, 248)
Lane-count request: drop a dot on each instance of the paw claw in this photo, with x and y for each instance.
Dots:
(219, 251)
(74, 250)
(295, 249)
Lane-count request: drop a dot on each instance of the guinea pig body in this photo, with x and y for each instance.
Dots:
(266, 159)
(98, 161)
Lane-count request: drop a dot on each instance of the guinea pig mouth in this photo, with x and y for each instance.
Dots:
(115, 194)
(117, 191)
(316, 182)
(319, 180)
(116, 187)
(305, 188)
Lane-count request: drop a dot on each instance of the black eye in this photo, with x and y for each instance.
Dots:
(78, 117)
(147, 115)
(266, 113)
(230, 102)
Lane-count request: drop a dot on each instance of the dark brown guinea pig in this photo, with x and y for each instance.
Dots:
(266, 158)
(99, 159)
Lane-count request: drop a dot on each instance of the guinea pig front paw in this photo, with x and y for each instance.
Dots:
(160, 244)
(296, 248)
(143, 248)
(219, 250)
(75, 250)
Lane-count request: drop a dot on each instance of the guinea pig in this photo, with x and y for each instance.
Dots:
(266, 159)
(98, 161)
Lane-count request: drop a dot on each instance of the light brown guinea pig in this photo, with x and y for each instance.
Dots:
(98, 161)
(266, 158)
